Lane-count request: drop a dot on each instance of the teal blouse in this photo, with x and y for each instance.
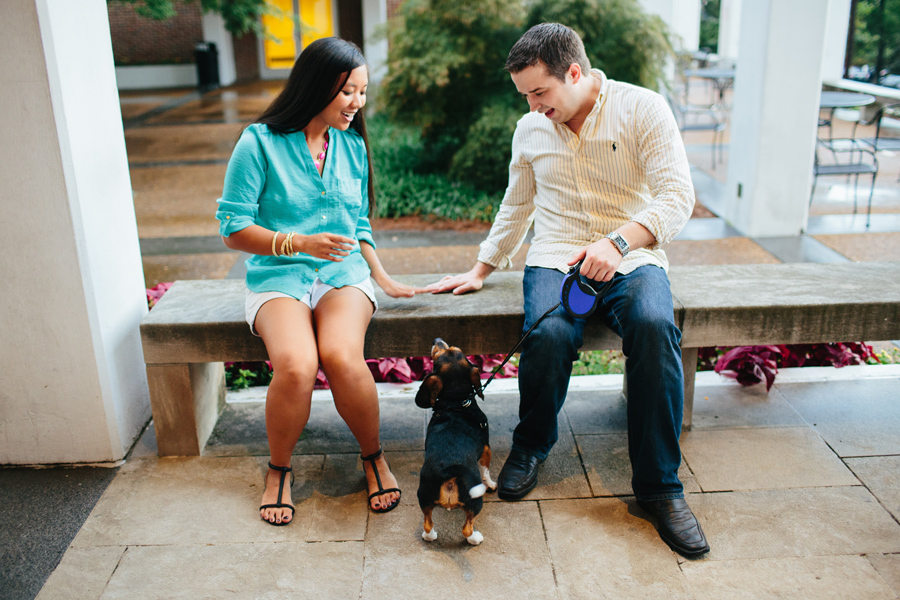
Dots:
(271, 181)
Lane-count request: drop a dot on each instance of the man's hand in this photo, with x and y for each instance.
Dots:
(470, 281)
(601, 259)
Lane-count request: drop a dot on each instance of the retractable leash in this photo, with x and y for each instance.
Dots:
(577, 294)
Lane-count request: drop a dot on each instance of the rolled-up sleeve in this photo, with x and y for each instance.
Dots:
(515, 214)
(363, 225)
(244, 181)
(665, 162)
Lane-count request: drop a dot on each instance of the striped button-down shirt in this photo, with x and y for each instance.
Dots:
(626, 164)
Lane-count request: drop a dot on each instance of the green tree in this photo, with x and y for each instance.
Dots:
(709, 24)
(240, 16)
(877, 31)
(446, 71)
(445, 65)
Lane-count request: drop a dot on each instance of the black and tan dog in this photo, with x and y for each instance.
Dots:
(455, 473)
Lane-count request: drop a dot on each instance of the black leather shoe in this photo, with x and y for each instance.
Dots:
(677, 526)
(518, 476)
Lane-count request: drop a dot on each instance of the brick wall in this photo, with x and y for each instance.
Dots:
(246, 57)
(138, 40)
(392, 6)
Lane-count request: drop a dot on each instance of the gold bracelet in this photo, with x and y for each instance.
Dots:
(274, 239)
(291, 242)
(284, 246)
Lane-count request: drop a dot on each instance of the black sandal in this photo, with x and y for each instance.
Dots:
(284, 471)
(381, 490)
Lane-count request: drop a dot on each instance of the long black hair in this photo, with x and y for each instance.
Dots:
(318, 76)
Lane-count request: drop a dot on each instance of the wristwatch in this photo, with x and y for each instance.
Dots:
(619, 242)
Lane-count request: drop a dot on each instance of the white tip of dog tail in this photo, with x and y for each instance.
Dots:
(430, 537)
(478, 491)
(476, 538)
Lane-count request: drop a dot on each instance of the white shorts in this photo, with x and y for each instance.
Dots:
(254, 300)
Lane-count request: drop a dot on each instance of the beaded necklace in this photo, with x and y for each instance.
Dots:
(321, 156)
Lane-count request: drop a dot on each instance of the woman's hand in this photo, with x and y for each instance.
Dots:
(395, 289)
(329, 246)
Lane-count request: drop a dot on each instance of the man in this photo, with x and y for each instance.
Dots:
(600, 168)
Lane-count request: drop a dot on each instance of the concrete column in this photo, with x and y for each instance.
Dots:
(774, 117)
(213, 26)
(836, 40)
(682, 18)
(375, 46)
(73, 385)
(729, 29)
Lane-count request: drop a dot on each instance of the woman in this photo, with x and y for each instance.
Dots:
(298, 195)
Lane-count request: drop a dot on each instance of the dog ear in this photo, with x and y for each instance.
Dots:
(476, 381)
(428, 391)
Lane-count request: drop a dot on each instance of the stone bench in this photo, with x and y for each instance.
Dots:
(198, 325)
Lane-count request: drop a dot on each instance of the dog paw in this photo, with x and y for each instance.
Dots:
(477, 491)
(430, 537)
(476, 538)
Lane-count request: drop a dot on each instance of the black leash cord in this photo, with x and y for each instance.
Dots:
(519, 343)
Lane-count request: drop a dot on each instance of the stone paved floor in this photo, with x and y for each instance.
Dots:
(797, 490)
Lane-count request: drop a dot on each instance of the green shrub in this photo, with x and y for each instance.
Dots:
(483, 160)
(404, 189)
(446, 72)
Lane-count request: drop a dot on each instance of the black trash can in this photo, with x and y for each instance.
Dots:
(207, 58)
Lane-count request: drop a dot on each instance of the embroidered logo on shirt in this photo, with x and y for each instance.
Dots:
(614, 146)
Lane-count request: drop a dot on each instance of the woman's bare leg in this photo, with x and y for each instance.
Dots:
(286, 327)
(342, 317)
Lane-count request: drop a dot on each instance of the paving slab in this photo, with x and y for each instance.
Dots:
(593, 412)
(726, 251)
(853, 422)
(512, 561)
(755, 459)
(242, 571)
(608, 467)
(739, 406)
(807, 578)
(83, 573)
(606, 548)
(795, 522)
(888, 566)
(447, 260)
(865, 246)
(561, 475)
(157, 502)
(173, 143)
(241, 430)
(881, 474)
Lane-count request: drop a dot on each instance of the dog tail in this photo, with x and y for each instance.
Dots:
(469, 481)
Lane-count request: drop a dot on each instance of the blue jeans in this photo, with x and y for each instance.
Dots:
(638, 307)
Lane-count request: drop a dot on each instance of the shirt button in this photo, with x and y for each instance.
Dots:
(317, 270)
(323, 193)
(228, 217)
(323, 217)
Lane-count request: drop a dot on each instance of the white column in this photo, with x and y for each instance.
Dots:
(375, 46)
(774, 117)
(73, 384)
(213, 26)
(682, 18)
(729, 29)
(836, 40)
